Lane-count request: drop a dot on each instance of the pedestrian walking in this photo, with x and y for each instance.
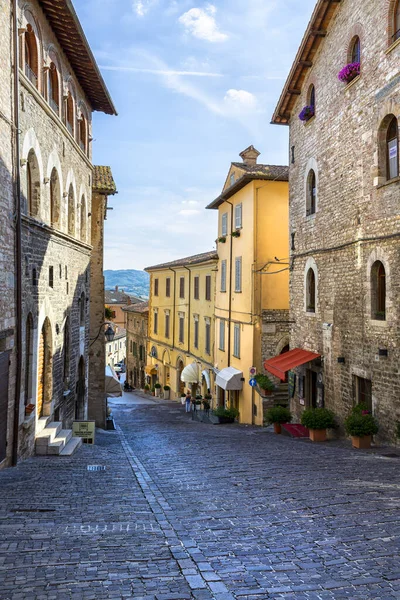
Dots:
(188, 400)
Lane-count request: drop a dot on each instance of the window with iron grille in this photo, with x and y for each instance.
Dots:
(236, 340)
(181, 329)
(156, 287)
(167, 326)
(223, 275)
(181, 287)
(168, 287)
(238, 274)
(155, 322)
(208, 338)
(222, 335)
(196, 286)
(196, 334)
(208, 287)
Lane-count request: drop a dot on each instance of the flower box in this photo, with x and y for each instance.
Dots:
(307, 113)
(349, 72)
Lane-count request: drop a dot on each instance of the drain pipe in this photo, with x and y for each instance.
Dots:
(18, 235)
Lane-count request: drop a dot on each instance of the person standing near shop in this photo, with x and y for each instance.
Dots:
(188, 400)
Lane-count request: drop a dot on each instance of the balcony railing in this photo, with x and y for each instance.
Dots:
(31, 75)
(54, 106)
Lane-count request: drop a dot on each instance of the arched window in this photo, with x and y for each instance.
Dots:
(54, 198)
(31, 56)
(392, 149)
(310, 291)
(396, 21)
(311, 96)
(355, 56)
(83, 134)
(54, 89)
(83, 219)
(311, 201)
(378, 291)
(32, 185)
(69, 111)
(28, 359)
(71, 211)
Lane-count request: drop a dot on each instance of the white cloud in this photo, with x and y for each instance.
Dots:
(191, 202)
(142, 7)
(200, 22)
(187, 212)
(159, 71)
(239, 100)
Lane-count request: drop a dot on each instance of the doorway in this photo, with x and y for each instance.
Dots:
(4, 366)
(311, 388)
(81, 391)
(180, 385)
(45, 371)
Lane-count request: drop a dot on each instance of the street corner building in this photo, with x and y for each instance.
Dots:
(181, 324)
(50, 87)
(136, 320)
(252, 287)
(342, 104)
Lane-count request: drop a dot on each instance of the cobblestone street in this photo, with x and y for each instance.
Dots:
(187, 510)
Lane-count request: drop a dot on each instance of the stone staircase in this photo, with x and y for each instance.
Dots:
(51, 439)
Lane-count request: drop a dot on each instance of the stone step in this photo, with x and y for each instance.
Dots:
(47, 435)
(59, 442)
(41, 424)
(73, 445)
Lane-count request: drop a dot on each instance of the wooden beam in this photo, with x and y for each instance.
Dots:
(318, 32)
(294, 92)
(305, 63)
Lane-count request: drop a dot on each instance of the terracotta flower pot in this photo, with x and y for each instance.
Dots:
(267, 392)
(363, 442)
(318, 435)
(277, 428)
(29, 408)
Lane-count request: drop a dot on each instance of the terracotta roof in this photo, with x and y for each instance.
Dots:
(190, 260)
(315, 33)
(141, 307)
(65, 24)
(103, 181)
(252, 173)
(120, 297)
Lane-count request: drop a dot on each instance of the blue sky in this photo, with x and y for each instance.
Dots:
(194, 84)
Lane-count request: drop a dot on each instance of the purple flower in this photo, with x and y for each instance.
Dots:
(307, 113)
(349, 72)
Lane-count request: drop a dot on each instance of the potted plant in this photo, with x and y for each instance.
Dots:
(183, 397)
(349, 72)
(318, 420)
(146, 388)
(265, 384)
(153, 391)
(198, 401)
(222, 239)
(206, 404)
(157, 389)
(226, 415)
(307, 113)
(166, 389)
(278, 415)
(236, 233)
(29, 408)
(361, 426)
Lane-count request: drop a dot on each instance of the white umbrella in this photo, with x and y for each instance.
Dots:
(113, 386)
(191, 374)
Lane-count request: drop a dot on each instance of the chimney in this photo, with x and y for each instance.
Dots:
(116, 288)
(249, 156)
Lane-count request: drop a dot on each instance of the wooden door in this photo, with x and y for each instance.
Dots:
(4, 363)
(41, 375)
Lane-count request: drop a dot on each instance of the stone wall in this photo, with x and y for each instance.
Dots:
(357, 215)
(275, 334)
(136, 333)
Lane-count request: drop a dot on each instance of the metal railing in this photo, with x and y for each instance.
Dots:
(31, 75)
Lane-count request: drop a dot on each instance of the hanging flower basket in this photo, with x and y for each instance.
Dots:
(349, 72)
(222, 239)
(307, 113)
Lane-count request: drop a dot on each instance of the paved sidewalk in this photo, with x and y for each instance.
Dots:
(186, 510)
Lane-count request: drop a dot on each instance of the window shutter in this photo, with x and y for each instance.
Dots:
(238, 274)
(236, 340)
(208, 287)
(224, 225)
(196, 288)
(207, 338)
(196, 334)
(223, 276)
(182, 287)
(222, 335)
(156, 287)
(168, 287)
(238, 216)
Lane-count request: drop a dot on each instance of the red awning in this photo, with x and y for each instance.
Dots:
(281, 364)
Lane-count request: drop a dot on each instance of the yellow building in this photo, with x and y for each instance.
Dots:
(252, 289)
(181, 321)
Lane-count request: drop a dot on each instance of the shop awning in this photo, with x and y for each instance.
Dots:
(206, 376)
(113, 386)
(150, 370)
(191, 374)
(229, 379)
(281, 364)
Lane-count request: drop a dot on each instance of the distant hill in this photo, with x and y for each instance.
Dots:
(131, 281)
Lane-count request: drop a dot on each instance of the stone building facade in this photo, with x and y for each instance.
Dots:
(116, 349)
(59, 87)
(103, 187)
(137, 316)
(116, 301)
(344, 208)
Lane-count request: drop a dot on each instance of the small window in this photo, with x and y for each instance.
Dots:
(83, 134)
(311, 97)
(378, 291)
(238, 216)
(363, 391)
(31, 56)
(51, 277)
(196, 334)
(222, 335)
(70, 112)
(196, 283)
(181, 329)
(223, 275)
(224, 224)
(181, 287)
(238, 274)
(34, 278)
(168, 287)
(236, 340)
(396, 22)
(355, 56)
(156, 287)
(155, 322)
(310, 291)
(232, 178)
(66, 272)
(53, 88)
(208, 288)
(208, 338)
(167, 326)
(392, 142)
(311, 193)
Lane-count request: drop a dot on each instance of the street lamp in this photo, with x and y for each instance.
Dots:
(109, 334)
